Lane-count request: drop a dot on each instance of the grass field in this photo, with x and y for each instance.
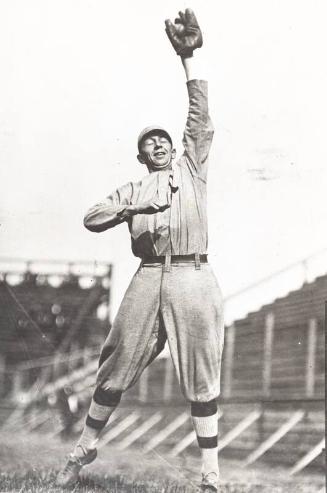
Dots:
(30, 464)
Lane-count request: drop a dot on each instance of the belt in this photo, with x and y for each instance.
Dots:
(174, 259)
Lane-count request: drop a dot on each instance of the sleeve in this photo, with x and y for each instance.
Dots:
(109, 212)
(199, 130)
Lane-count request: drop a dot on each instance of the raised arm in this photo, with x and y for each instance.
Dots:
(185, 36)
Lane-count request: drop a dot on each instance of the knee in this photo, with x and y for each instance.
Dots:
(108, 398)
(204, 409)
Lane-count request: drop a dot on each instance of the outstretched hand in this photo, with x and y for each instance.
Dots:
(185, 33)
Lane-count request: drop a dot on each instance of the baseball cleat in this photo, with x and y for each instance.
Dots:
(69, 474)
(209, 482)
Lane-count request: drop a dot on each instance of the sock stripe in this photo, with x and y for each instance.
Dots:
(102, 413)
(96, 424)
(208, 442)
(109, 398)
(204, 409)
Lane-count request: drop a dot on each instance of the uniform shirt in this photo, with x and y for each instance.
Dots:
(182, 228)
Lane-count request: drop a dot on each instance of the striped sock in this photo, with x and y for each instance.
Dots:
(102, 406)
(205, 422)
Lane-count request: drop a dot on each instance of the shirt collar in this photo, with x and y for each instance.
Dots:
(174, 179)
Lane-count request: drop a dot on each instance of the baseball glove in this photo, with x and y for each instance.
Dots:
(185, 34)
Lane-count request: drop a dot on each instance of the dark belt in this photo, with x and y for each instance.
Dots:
(174, 259)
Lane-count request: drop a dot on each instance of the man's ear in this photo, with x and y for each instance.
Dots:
(141, 158)
(173, 153)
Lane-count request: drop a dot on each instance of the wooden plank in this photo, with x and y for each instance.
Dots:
(228, 361)
(165, 432)
(32, 420)
(292, 380)
(14, 418)
(141, 430)
(274, 438)
(183, 444)
(267, 353)
(239, 364)
(295, 342)
(169, 379)
(238, 429)
(143, 386)
(291, 367)
(311, 353)
(58, 384)
(2, 373)
(243, 374)
(118, 429)
(55, 432)
(309, 457)
(294, 447)
(39, 420)
(304, 428)
(289, 350)
(247, 345)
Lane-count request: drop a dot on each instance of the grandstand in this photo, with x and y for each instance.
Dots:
(272, 398)
(53, 316)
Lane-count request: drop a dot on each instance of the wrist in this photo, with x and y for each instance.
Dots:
(132, 210)
(128, 211)
(186, 54)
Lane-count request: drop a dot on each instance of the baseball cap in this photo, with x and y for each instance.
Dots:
(151, 129)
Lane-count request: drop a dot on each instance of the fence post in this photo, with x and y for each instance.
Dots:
(267, 353)
(168, 382)
(228, 363)
(143, 386)
(2, 374)
(311, 358)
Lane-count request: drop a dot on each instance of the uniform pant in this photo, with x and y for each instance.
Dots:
(180, 303)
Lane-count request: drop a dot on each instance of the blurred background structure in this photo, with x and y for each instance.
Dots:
(54, 318)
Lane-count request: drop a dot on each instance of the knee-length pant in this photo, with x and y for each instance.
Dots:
(184, 306)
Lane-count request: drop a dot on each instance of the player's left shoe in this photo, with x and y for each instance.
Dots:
(209, 482)
(69, 474)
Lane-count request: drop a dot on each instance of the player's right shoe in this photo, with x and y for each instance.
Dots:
(209, 483)
(69, 474)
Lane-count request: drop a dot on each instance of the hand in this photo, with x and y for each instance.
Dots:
(151, 207)
(185, 34)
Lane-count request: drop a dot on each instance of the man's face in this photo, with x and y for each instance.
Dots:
(156, 152)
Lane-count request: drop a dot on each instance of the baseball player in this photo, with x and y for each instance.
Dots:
(174, 294)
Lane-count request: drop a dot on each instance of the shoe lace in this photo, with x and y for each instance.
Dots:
(210, 477)
(71, 463)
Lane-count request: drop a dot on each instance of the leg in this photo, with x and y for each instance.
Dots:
(137, 336)
(134, 341)
(205, 422)
(193, 315)
(104, 402)
(102, 406)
